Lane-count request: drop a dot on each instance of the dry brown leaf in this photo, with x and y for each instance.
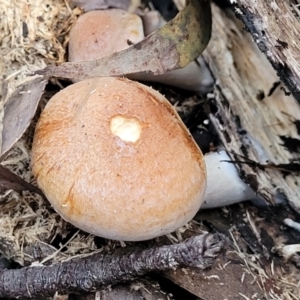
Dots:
(173, 46)
(19, 110)
(11, 181)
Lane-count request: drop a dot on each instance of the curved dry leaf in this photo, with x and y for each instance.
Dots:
(19, 110)
(11, 181)
(173, 46)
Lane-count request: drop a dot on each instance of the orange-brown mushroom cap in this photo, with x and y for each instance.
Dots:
(102, 32)
(114, 159)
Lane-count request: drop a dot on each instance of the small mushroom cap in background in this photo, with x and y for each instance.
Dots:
(114, 159)
(99, 33)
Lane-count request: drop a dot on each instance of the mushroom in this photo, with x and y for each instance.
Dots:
(97, 34)
(289, 251)
(291, 223)
(114, 158)
(224, 186)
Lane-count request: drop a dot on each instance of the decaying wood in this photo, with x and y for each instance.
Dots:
(90, 273)
(257, 118)
(275, 28)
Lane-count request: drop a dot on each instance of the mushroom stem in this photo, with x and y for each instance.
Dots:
(289, 250)
(194, 77)
(291, 223)
(224, 186)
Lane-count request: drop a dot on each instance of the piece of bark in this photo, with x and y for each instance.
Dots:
(275, 28)
(90, 273)
(229, 281)
(256, 121)
(258, 240)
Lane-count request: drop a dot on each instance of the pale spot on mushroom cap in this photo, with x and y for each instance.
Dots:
(126, 128)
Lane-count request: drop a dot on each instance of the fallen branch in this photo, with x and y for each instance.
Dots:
(90, 273)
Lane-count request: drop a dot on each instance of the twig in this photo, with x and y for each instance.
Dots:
(90, 273)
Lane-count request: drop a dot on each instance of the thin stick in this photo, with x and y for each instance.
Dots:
(90, 273)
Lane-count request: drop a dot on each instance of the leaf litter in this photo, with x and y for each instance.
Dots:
(28, 225)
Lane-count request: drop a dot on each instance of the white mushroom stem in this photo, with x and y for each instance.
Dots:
(289, 222)
(194, 77)
(289, 250)
(180, 4)
(152, 20)
(224, 186)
